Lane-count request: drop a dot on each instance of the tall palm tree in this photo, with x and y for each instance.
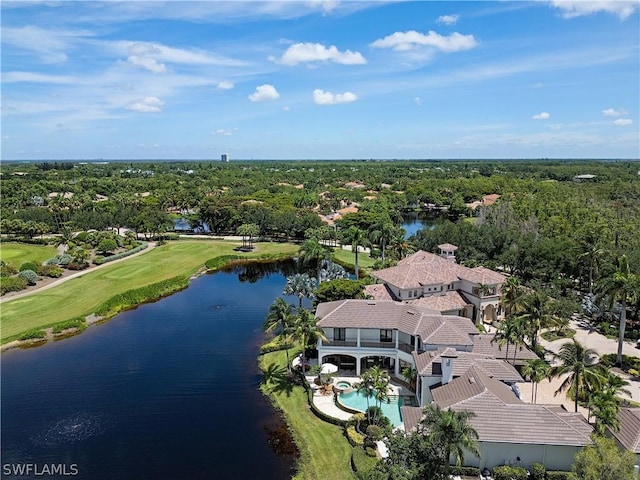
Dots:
(400, 247)
(537, 370)
(280, 317)
(248, 230)
(365, 387)
(453, 431)
(300, 285)
(591, 246)
(622, 286)
(605, 411)
(381, 233)
(313, 253)
(381, 381)
(306, 330)
(356, 237)
(512, 296)
(537, 314)
(579, 362)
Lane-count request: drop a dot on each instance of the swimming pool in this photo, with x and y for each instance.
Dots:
(358, 401)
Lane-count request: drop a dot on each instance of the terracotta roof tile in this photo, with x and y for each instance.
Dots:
(629, 433)
(483, 345)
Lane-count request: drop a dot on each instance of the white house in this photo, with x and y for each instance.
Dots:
(438, 282)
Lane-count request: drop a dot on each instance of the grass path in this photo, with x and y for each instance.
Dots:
(324, 450)
(82, 295)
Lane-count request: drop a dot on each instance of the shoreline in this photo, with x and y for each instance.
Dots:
(94, 319)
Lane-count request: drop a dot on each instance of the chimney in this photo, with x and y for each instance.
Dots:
(448, 251)
(448, 357)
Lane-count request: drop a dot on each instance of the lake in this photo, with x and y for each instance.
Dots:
(166, 391)
(414, 221)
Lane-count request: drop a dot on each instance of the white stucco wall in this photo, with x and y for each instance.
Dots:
(493, 454)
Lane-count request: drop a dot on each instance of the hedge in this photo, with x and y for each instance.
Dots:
(78, 322)
(559, 475)
(136, 296)
(34, 334)
(12, 284)
(506, 472)
(466, 471)
(100, 261)
(362, 463)
(355, 439)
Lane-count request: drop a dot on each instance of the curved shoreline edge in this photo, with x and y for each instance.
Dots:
(124, 301)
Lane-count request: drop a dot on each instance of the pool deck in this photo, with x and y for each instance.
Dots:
(325, 403)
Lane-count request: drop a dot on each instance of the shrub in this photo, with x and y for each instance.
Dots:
(51, 271)
(355, 439)
(609, 360)
(78, 323)
(466, 471)
(7, 270)
(12, 284)
(538, 471)
(107, 245)
(506, 472)
(32, 334)
(29, 275)
(221, 261)
(33, 266)
(559, 475)
(374, 432)
(100, 260)
(63, 260)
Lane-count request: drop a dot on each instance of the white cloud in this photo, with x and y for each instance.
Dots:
(316, 52)
(49, 44)
(612, 112)
(147, 105)
(147, 63)
(541, 116)
(579, 8)
(621, 122)
(418, 101)
(448, 19)
(320, 97)
(263, 93)
(227, 132)
(401, 41)
(16, 77)
(327, 6)
(226, 85)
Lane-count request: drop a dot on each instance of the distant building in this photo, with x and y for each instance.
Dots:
(224, 157)
(582, 178)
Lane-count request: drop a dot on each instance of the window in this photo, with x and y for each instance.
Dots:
(415, 293)
(386, 335)
(340, 334)
(410, 293)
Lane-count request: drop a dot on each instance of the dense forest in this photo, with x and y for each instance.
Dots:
(558, 224)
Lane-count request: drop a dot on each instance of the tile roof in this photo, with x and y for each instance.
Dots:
(411, 416)
(482, 344)
(629, 433)
(379, 292)
(432, 327)
(501, 417)
(427, 363)
(424, 268)
(443, 303)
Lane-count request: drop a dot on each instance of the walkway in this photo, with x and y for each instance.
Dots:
(15, 295)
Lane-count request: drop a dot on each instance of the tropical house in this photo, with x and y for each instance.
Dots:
(397, 336)
(510, 432)
(438, 282)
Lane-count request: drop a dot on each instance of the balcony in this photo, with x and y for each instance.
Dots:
(404, 347)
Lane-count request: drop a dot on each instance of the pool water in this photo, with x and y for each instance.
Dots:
(358, 401)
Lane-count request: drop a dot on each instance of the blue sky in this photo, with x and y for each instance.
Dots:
(320, 79)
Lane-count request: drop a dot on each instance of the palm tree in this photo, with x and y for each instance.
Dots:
(579, 362)
(590, 244)
(453, 431)
(355, 236)
(313, 253)
(280, 317)
(410, 374)
(365, 387)
(399, 245)
(306, 330)
(537, 370)
(381, 384)
(381, 233)
(605, 411)
(300, 285)
(248, 230)
(512, 296)
(620, 287)
(510, 332)
(536, 312)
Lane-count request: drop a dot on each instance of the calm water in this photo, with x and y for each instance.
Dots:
(414, 221)
(166, 391)
(390, 410)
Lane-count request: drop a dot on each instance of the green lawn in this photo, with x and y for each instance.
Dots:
(15, 254)
(324, 450)
(82, 295)
(347, 257)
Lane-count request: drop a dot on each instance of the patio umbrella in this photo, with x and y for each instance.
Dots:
(328, 368)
